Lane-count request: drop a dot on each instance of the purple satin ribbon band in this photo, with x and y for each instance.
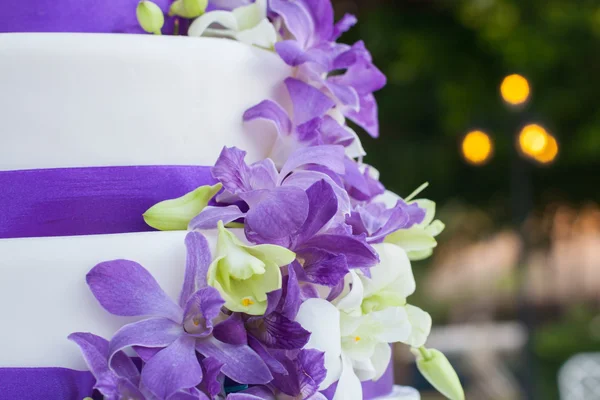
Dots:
(66, 384)
(92, 16)
(45, 383)
(87, 201)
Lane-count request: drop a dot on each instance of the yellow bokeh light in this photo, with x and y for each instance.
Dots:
(477, 147)
(515, 89)
(533, 139)
(550, 151)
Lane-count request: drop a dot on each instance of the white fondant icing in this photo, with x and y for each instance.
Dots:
(72, 100)
(402, 393)
(44, 295)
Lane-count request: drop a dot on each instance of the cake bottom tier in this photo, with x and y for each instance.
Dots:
(44, 296)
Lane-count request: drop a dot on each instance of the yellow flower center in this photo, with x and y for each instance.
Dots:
(357, 339)
(247, 302)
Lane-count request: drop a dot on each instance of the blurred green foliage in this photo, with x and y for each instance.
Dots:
(445, 61)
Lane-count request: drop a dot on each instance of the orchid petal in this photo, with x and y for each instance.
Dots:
(414, 239)
(241, 363)
(322, 206)
(276, 213)
(393, 273)
(262, 35)
(200, 311)
(321, 319)
(429, 207)
(348, 387)
(274, 365)
(175, 214)
(277, 254)
(291, 297)
(367, 117)
(279, 332)
(95, 352)
(231, 170)
(329, 156)
(358, 253)
(435, 228)
(211, 369)
(270, 111)
(419, 254)
(312, 371)
(421, 326)
(224, 18)
(296, 17)
(127, 289)
(322, 267)
(152, 332)
(390, 325)
(353, 299)
(308, 101)
(210, 216)
(173, 368)
(196, 265)
(231, 330)
(381, 359)
(343, 25)
(292, 53)
(250, 15)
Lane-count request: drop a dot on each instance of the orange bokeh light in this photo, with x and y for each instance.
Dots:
(477, 147)
(515, 89)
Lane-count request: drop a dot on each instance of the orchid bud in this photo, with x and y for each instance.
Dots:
(438, 371)
(150, 17)
(176, 214)
(188, 8)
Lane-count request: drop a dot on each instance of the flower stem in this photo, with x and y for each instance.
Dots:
(416, 192)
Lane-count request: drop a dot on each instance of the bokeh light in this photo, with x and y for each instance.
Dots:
(515, 89)
(533, 139)
(477, 147)
(550, 152)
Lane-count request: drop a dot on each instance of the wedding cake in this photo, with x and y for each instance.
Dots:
(188, 215)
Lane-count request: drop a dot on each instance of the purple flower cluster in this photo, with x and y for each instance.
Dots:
(313, 198)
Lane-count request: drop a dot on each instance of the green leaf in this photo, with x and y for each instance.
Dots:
(176, 214)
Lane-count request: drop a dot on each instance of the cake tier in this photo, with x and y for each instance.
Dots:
(104, 99)
(43, 280)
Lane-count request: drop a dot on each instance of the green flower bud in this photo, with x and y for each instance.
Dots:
(188, 8)
(176, 214)
(438, 371)
(150, 17)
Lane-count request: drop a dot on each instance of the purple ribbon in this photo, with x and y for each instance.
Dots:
(87, 201)
(45, 383)
(66, 384)
(93, 16)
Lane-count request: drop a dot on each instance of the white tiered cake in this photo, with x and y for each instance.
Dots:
(106, 100)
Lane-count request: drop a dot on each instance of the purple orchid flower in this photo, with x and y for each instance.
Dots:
(310, 125)
(376, 221)
(177, 331)
(277, 202)
(122, 379)
(311, 45)
(328, 254)
(360, 182)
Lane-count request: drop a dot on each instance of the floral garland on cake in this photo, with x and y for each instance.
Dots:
(314, 288)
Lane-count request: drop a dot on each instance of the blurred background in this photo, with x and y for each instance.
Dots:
(496, 103)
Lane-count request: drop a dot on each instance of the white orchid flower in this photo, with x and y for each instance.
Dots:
(356, 329)
(390, 284)
(419, 240)
(248, 24)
